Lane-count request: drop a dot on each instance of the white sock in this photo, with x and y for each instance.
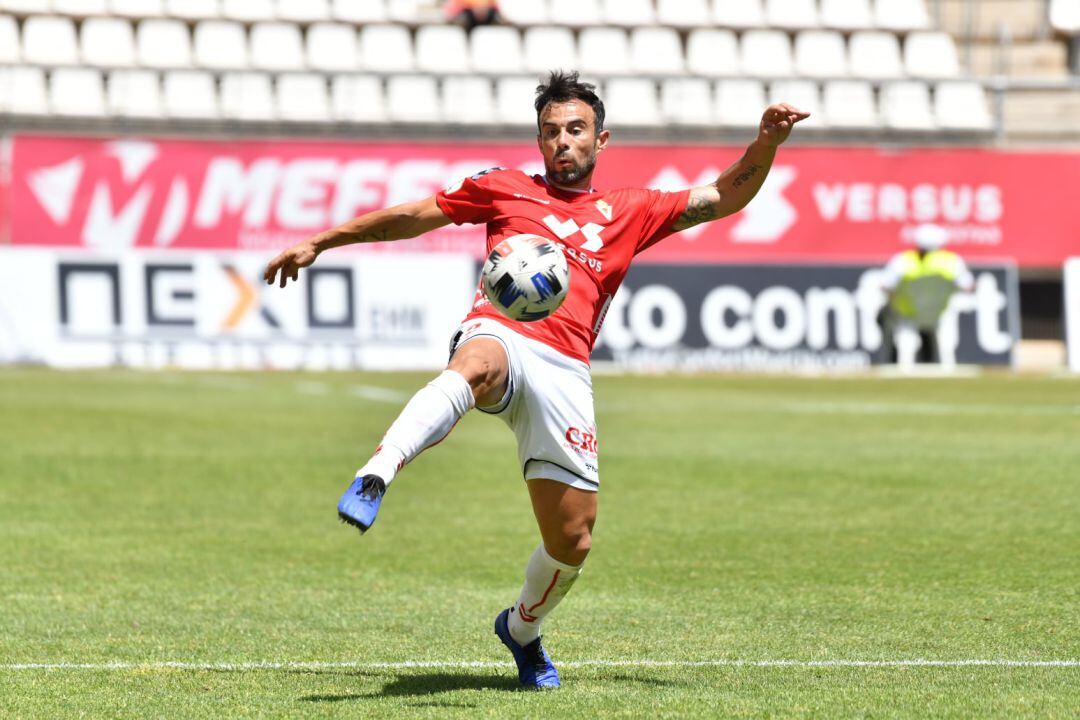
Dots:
(426, 419)
(546, 583)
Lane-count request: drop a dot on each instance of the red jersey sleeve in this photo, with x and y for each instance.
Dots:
(660, 210)
(469, 201)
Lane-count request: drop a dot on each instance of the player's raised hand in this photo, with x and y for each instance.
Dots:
(290, 261)
(777, 122)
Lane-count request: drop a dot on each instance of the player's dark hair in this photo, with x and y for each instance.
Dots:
(563, 87)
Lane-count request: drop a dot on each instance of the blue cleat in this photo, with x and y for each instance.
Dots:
(535, 669)
(360, 503)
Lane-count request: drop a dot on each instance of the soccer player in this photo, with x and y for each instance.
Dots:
(535, 376)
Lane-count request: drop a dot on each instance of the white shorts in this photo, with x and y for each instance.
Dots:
(548, 404)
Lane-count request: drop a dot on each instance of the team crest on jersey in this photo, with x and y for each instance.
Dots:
(604, 209)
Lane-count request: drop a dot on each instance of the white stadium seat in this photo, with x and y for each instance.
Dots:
(961, 105)
(628, 13)
(548, 48)
(575, 13)
(107, 42)
(193, 9)
(248, 10)
(357, 98)
(442, 49)
(9, 41)
(163, 44)
(901, 15)
(412, 98)
(247, 96)
(77, 91)
(386, 48)
(821, 54)
(738, 13)
(26, 91)
(190, 94)
(849, 104)
(847, 14)
(875, 55)
(631, 101)
(524, 12)
(656, 51)
(766, 53)
(803, 94)
(303, 11)
(687, 101)
(408, 12)
(25, 7)
(496, 49)
(712, 53)
(467, 100)
(931, 55)
(682, 13)
(514, 98)
(134, 93)
(276, 46)
(220, 45)
(49, 41)
(80, 8)
(1065, 16)
(361, 13)
(739, 103)
(791, 14)
(303, 97)
(137, 8)
(332, 47)
(603, 51)
(905, 105)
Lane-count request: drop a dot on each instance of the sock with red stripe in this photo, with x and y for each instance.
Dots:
(427, 418)
(546, 583)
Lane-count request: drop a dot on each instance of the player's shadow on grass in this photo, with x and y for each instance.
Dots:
(413, 685)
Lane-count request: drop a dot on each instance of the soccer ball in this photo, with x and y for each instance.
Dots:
(526, 277)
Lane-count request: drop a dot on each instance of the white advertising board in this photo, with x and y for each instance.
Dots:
(212, 310)
(1072, 312)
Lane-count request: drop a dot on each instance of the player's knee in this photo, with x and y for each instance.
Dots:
(576, 542)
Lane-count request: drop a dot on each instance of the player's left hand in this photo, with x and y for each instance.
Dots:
(777, 122)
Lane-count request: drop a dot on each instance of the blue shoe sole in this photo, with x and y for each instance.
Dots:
(358, 510)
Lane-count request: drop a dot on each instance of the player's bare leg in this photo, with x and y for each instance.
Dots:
(477, 374)
(565, 516)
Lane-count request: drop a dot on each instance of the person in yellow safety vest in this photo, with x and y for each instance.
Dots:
(919, 284)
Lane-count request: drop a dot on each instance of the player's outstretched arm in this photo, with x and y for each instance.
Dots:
(395, 223)
(738, 185)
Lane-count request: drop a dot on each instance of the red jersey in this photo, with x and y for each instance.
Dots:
(600, 233)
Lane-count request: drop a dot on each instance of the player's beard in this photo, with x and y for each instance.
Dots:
(575, 172)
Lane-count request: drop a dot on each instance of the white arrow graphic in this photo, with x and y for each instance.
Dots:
(54, 187)
(769, 214)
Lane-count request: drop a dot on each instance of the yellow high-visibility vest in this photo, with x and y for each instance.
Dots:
(926, 285)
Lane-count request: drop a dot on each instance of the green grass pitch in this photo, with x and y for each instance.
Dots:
(156, 518)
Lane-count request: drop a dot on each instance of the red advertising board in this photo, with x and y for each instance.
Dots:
(819, 204)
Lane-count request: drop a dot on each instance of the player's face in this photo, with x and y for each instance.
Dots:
(570, 143)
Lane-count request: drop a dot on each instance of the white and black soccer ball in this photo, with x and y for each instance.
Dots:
(526, 277)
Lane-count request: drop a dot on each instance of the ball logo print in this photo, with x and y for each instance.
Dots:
(526, 277)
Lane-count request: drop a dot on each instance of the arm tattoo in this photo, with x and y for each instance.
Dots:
(698, 210)
(745, 175)
(373, 237)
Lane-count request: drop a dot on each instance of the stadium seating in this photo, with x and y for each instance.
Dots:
(303, 97)
(134, 93)
(412, 98)
(357, 99)
(549, 47)
(220, 45)
(163, 44)
(1065, 16)
(49, 40)
(247, 96)
(632, 101)
(820, 53)
(575, 13)
(467, 100)
(524, 12)
(961, 105)
(603, 51)
(656, 51)
(931, 55)
(276, 46)
(248, 10)
(25, 7)
(514, 98)
(137, 8)
(494, 49)
(107, 42)
(332, 47)
(80, 8)
(682, 13)
(687, 101)
(27, 93)
(712, 53)
(738, 13)
(361, 13)
(905, 105)
(386, 48)
(901, 15)
(442, 49)
(193, 9)
(849, 104)
(766, 53)
(847, 14)
(804, 95)
(628, 13)
(739, 103)
(189, 94)
(791, 14)
(77, 91)
(875, 55)
(304, 11)
(9, 40)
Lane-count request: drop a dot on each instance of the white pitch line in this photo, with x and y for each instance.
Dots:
(378, 394)
(471, 664)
